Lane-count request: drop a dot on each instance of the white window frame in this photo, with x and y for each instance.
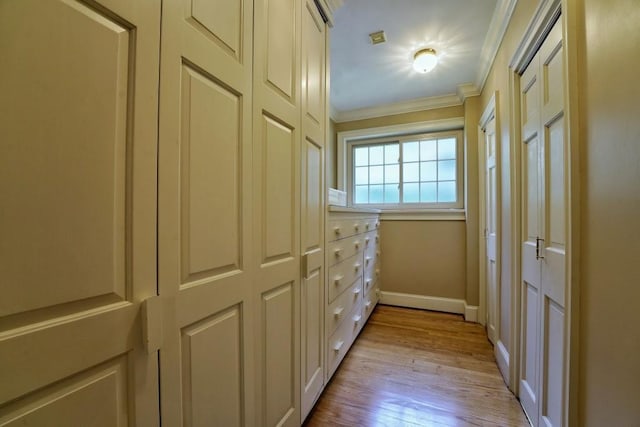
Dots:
(394, 133)
(458, 204)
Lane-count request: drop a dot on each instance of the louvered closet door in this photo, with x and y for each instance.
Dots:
(78, 113)
(276, 209)
(205, 239)
(312, 204)
(543, 270)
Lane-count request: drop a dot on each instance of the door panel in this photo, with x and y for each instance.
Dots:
(312, 205)
(77, 178)
(554, 217)
(544, 248)
(530, 287)
(212, 371)
(279, 355)
(205, 221)
(491, 204)
(276, 202)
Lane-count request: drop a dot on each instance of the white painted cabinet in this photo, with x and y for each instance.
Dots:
(163, 213)
(353, 285)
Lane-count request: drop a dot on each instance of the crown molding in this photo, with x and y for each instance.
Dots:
(411, 106)
(467, 90)
(497, 29)
(329, 7)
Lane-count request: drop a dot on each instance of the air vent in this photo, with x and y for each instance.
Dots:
(378, 37)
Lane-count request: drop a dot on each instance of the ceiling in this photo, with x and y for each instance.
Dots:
(367, 78)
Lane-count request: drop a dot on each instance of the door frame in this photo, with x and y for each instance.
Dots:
(491, 111)
(541, 23)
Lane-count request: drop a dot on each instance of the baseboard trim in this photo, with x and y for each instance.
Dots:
(502, 358)
(447, 305)
(470, 313)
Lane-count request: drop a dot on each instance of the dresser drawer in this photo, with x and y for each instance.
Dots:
(341, 340)
(343, 305)
(342, 275)
(342, 249)
(342, 228)
(371, 238)
(370, 301)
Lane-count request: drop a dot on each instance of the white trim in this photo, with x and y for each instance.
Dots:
(489, 113)
(422, 215)
(470, 313)
(343, 138)
(537, 30)
(410, 106)
(497, 29)
(447, 305)
(502, 358)
(467, 90)
(329, 8)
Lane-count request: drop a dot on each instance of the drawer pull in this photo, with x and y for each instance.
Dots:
(367, 304)
(377, 238)
(336, 230)
(338, 346)
(367, 259)
(377, 224)
(356, 319)
(336, 280)
(377, 272)
(357, 244)
(357, 267)
(356, 227)
(368, 282)
(366, 226)
(338, 311)
(337, 253)
(356, 291)
(378, 253)
(366, 241)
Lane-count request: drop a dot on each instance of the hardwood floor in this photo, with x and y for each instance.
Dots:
(418, 368)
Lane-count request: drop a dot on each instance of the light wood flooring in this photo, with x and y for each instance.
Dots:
(418, 368)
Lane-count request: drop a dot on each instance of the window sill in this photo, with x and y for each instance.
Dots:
(423, 215)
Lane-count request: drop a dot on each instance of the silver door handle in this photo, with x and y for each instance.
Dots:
(538, 240)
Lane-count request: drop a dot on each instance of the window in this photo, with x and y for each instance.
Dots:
(419, 171)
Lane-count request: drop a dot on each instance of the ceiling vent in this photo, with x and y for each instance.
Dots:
(378, 37)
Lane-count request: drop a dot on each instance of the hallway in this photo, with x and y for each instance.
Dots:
(418, 368)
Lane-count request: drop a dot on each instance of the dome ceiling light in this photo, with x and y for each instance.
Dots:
(425, 60)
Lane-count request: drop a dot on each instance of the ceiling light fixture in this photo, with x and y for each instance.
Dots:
(425, 60)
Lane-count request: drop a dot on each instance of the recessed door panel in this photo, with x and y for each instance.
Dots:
(212, 370)
(221, 20)
(66, 403)
(211, 148)
(553, 344)
(278, 183)
(280, 50)
(278, 307)
(64, 155)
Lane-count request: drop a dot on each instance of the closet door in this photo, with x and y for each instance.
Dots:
(544, 249)
(205, 237)
(312, 204)
(78, 113)
(276, 209)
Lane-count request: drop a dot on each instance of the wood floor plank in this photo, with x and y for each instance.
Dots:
(418, 368)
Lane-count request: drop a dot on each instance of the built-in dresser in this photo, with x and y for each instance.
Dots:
(353, 271)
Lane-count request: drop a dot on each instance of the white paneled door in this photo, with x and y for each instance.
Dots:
(544, 234)
(205, 217)
(276, 210)
(78, 113)
(312, 206)
(491, 231)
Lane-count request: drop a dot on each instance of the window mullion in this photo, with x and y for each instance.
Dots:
(401, 180)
